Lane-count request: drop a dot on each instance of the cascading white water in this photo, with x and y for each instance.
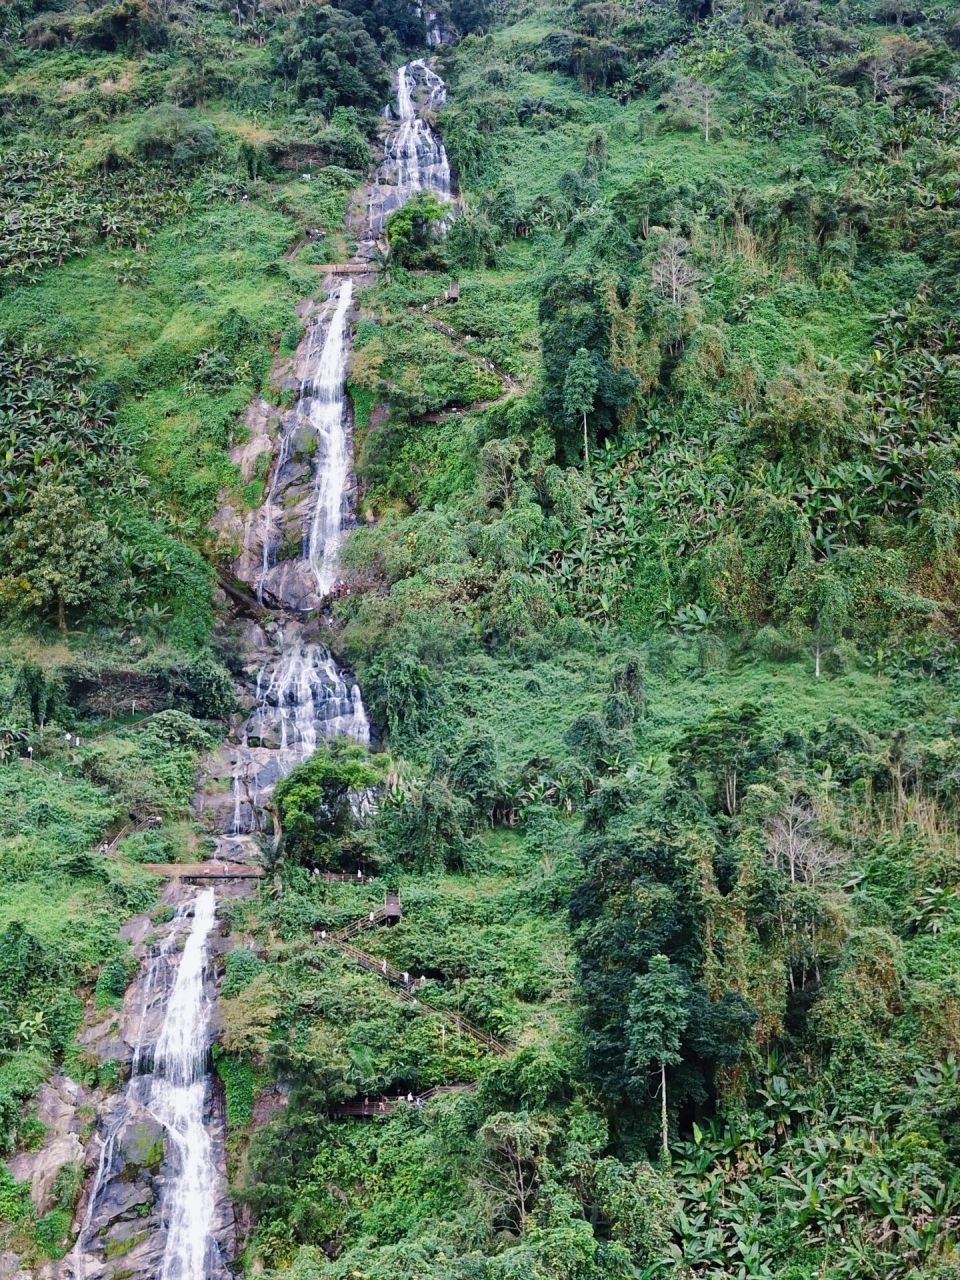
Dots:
(320, 411)
(307, 696)
(169, 1083)
(176, 1095)
(301, 695)
(416, 159)
(326, 409)
(271, 514)
(302, 698)
(75, 1259)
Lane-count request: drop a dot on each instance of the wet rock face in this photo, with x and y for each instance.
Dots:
(10, 1268)
(277, 551)
(124, 1232)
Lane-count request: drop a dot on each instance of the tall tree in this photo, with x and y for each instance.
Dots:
(579, 390)
(657, 1019)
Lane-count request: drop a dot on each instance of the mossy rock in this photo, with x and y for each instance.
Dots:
(117, 1248)
(142, 1146)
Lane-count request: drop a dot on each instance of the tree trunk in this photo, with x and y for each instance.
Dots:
(61, 613)
(586, 448)
(816, 669)
(664, 1129)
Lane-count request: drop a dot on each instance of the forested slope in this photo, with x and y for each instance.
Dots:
(653, 602)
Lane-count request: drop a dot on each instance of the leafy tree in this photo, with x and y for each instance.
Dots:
(575, 313)
(423, 826)
(514, 1148)
(57, 557)
(657, 1019)
(414, 231)
(174, 135)
(316, 802)
(332, 58)
(579, 389)
(729, 747)
(470, 15)
(822, 605)
(653, 198)
(475, 773)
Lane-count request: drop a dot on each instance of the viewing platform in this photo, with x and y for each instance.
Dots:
(347, 268)
(206, 870)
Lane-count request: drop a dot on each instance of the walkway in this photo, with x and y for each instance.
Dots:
(205, 870)
(368, 1107)
(405, 983)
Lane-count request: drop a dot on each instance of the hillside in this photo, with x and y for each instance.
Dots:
(484, 483)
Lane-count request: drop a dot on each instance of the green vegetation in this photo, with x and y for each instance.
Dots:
(655, 611)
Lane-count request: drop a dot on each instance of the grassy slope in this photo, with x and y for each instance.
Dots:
(497, 928)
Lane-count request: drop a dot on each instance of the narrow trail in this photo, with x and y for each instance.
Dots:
(511, 385)
(405, 984)
(369, 1108)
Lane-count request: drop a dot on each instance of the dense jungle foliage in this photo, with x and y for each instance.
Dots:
(655, 611)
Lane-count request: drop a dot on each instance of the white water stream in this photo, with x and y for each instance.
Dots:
(171, 1084)
(416, 159)
(302, 698)
(177, 1097)
(327, 415)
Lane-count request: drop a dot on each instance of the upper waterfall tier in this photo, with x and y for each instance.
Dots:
(292, 543)
(290, 546)
(414, 156)
(302, 698)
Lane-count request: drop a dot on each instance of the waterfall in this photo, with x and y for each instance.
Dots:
(271, 514)
(326, 412)
(415, 158)
(320, 415)
(301, 695)
(177, 1097)
(307, 697)
(169, 1084)
(75, 1259)
(434, 34)
(302, 698)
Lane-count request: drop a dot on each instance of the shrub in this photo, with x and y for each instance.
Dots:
(174, 135)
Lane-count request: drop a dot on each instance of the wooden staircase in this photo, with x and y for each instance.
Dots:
(403, 982)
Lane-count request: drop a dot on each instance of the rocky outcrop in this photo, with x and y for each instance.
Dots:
(120, 1224)
(11, 1268)
(60, 1105)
